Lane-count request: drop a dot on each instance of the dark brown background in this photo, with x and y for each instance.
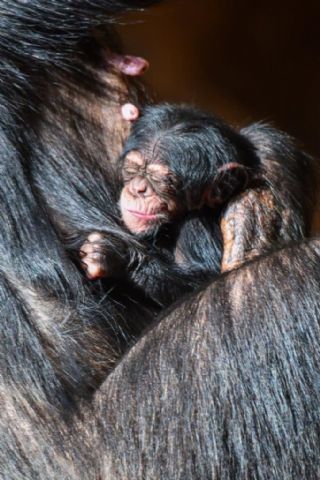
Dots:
(245, 60)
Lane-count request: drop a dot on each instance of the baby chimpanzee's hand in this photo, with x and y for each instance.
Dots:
(97, 260)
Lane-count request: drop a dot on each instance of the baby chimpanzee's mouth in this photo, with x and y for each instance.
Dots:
(145, 216)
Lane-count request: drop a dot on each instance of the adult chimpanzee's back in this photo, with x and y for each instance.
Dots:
(226, 386)
(196, 396)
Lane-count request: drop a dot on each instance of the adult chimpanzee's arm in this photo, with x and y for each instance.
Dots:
(226, 385)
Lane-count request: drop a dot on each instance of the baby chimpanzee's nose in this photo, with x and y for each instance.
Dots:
(140, 186)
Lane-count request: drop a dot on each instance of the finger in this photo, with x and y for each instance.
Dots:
(95, 237)
(96, 257)
(87, 249)
(95, 271)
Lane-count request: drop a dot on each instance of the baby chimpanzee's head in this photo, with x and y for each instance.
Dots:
(178, 159)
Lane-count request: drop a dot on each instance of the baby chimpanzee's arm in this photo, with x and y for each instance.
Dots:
(160, 275)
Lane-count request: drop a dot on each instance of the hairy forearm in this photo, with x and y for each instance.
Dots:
(163, 280)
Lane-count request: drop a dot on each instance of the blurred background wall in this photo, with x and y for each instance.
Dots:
(245, 60)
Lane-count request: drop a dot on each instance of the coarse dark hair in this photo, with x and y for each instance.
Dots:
(225, 386)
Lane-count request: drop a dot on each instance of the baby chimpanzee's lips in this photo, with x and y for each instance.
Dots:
(145, 216)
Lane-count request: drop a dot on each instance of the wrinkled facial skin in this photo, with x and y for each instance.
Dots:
(149, 196)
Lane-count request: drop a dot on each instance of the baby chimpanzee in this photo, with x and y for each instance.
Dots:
(179, 167)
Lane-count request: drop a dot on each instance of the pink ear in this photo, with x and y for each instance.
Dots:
(230, 180)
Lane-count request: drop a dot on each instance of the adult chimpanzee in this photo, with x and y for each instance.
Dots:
(226, 385)
(181, 165)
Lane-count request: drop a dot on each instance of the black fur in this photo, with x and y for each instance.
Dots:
(59, 338)
(229, 387)
(220, 388)
(196, 146)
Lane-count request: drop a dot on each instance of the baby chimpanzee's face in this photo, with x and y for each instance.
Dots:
(178, 159)
(150, 195)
